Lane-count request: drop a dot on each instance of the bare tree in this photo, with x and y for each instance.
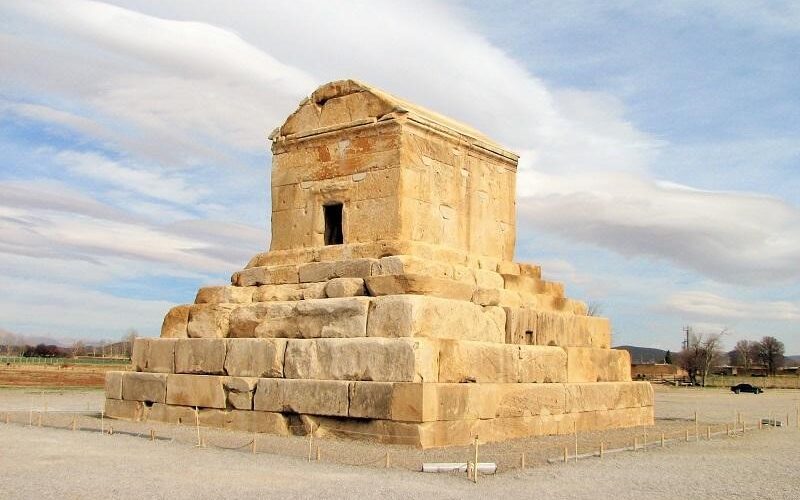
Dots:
(770, 353)
(78, 348)
(594, 308)
(130, 336)
(703, 352)
(742, 354)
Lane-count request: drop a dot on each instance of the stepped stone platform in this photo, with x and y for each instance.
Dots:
(389, 306)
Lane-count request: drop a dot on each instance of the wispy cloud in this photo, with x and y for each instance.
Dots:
(701, 304)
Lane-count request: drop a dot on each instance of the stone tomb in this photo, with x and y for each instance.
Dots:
(389, 306)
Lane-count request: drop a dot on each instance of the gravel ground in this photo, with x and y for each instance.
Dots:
(56, 463)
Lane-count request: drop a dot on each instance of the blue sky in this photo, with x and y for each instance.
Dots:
(659, 142)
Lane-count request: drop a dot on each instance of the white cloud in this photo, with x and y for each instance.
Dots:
(708, 305)
(732, 237)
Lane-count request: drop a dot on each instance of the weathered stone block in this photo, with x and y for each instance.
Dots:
(176, 322)
(200, 356)
(324, 271)
(205, 391)
(225, 295)
(591, 364)
(506, 267)
(542, 364)
(271, 275)
(409, 264)
(485, 278)
(209, 320)
(345, 287)
(423, 316)
(154, 355)
(419, 285)
(255, 357)
(314, 397)
(278, 293)
(600, 396)
(128, 410)
(344, 317)
(461, 361)
(148, 387)
(378, 359)
(240, 392)
(113, 385)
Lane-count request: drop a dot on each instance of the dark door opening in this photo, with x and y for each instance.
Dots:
(333, 224)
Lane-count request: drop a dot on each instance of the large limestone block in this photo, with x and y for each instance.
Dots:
(341, 317)
(591, 364)
(599, 396)
(496, 297)
(542, 364)
(267, 275)
(225, 295)
(206, 391)
(262, 358)
(154, 355)
(176, 322)
(524, 400)
(462, 361)
(200, 356)
(378, 359)
(564, 329)
(240, 392)
(345, 287)
(485, 278)
(409, 264)
(113, 385)
(172, 414)
(209, 320)
(433, 317)
(278, 293)
(314, 397)
(128, 410)
(418, 284)
(324, 271)
(148, 387)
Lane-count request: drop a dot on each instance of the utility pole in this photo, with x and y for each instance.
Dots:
(686, 330)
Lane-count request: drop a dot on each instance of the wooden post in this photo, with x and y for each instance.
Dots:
(644, 439)
(696, 427)
(310, 442)
(576, 441)
(197, 426)
(708, 433)
(30, 417)
(687, 435)
(662, 439)
(566, 454)
(8, 418)
(475, 472)
(787, 420)
(522, 461)
(601, 450)
(152, 434)
(102, 422)
(74, 422)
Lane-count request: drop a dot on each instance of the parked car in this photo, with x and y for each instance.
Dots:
(746, 388)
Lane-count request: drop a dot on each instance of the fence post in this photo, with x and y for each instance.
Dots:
(687, 435)
(74, 422)
(102, 422)
(566, 454)
(601, 449)
(662, 439)
(522, 461)
(576, 441)
(644, 439)
(40, 419)
(197, 426)
(696, 427)
(708, 433)
(152, 434)
(475, 473)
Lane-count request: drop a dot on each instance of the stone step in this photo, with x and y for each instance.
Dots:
(380, 359)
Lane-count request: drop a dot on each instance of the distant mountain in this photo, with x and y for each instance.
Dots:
(793, 359)
(644, 354)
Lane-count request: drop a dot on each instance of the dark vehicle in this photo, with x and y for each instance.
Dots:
(746, 388)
